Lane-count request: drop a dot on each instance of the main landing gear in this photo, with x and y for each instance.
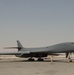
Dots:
(31, 59)
(40, 59)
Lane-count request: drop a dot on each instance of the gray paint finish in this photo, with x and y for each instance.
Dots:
(44, 51)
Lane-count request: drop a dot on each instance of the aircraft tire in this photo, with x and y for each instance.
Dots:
(40, 59)
(31, 59)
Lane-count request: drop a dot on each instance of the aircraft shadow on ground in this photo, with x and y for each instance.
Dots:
(57, 61)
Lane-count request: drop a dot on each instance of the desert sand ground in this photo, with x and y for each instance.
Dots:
(18, 66)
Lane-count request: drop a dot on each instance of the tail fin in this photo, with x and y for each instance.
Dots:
(19, 44)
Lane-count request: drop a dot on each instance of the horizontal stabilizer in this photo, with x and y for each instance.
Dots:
(12, 47)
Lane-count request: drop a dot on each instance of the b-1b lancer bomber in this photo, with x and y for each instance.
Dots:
(41, 52)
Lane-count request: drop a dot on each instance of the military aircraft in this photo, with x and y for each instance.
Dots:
(41, 52)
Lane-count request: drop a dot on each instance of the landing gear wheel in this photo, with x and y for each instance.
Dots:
(31, 59)
(39, 59)
(70, 60)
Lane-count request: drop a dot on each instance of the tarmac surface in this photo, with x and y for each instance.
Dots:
(18, 66)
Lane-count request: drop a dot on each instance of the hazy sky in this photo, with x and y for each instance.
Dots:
(36, 22)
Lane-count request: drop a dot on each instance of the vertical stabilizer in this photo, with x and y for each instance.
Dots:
(19, 44)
